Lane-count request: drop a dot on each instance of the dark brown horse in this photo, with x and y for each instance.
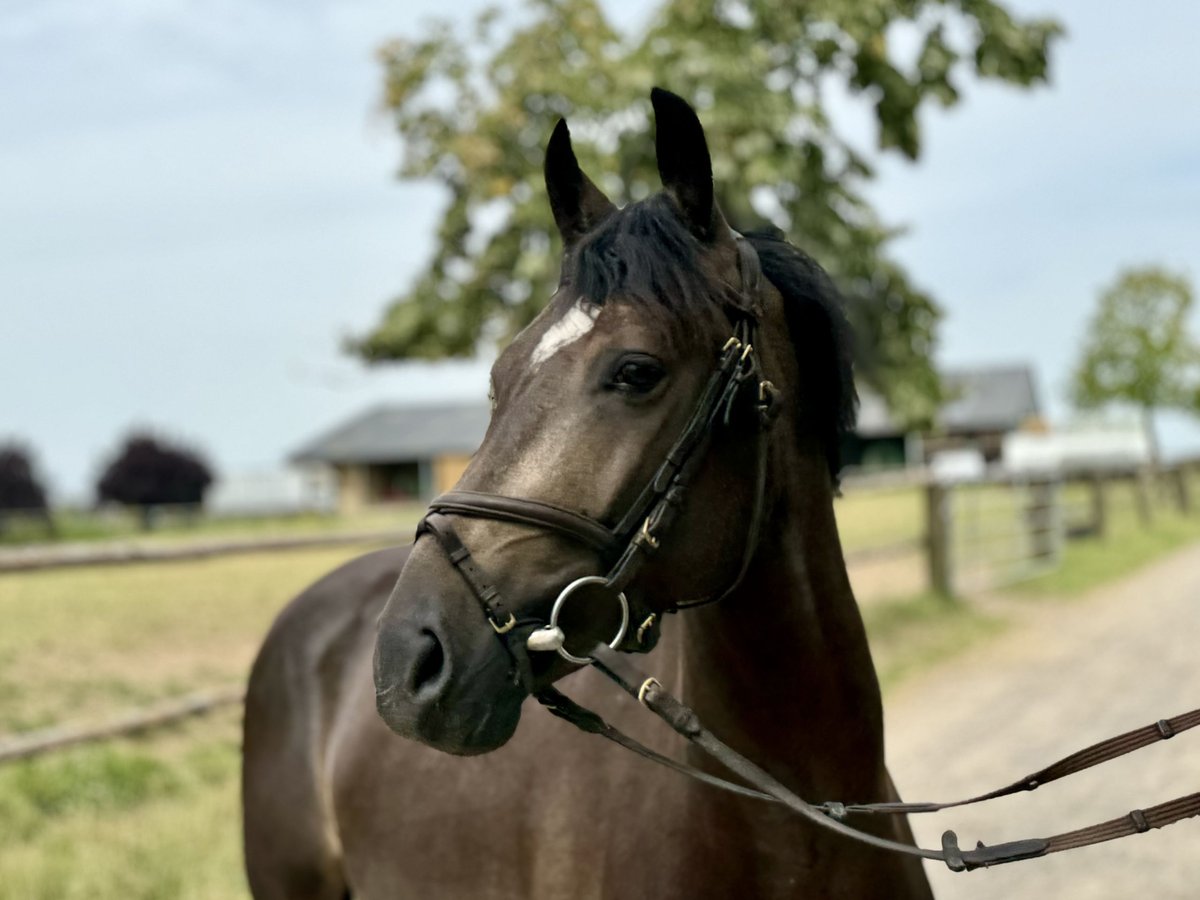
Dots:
(588, 401)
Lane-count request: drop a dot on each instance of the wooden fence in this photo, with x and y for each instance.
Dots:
(991, 532)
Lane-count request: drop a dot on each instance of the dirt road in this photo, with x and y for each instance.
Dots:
(1072, 673)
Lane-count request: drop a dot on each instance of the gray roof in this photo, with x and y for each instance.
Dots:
(996, 398)
(989, 398)
(401, 433)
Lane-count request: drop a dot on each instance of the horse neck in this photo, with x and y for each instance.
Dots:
(781, 667)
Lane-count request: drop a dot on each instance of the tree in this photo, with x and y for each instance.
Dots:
(474, 115)
(21, 489)
(1138, 349)
(148, 473)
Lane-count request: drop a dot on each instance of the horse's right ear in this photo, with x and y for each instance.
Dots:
(578, 205)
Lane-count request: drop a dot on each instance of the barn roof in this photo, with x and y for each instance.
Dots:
(996, 398)
(986, 398)
(395, 433)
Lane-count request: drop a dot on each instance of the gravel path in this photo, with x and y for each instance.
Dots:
(1072, 673)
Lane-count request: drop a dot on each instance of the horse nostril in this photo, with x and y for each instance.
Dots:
(429, 664)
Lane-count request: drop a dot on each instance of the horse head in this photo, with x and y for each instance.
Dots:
(631, 439)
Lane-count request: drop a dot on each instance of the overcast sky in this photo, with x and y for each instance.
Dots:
(197, 203)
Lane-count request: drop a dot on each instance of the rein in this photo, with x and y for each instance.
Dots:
(639, 532)
(683, 720)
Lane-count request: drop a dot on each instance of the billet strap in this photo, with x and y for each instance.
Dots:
(650, 693)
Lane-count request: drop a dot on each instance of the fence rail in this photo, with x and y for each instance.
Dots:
(35, 743)
(1001, 529)
(51, 556)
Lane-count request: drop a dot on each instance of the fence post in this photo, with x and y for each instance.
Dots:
(1043, 542)
(1099, 505)
(1141, 496)
(939, 532)
(1179, 482)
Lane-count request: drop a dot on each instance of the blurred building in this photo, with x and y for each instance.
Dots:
(402, 452)
(1088, 445)
(277, 492)
(983, 406)
(413, 452)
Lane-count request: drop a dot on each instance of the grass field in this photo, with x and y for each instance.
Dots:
(870, 519)
(149, 818)
(158, 816)
(1129, 544)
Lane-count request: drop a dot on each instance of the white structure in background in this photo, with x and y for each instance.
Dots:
(289, 491)
(1083, 446)
(953, 466)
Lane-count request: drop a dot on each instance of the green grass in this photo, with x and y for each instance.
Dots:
(1091, 562)
(910, 634)
(154, 817)
(139, 820)
(1129, 544)
(870, 519)
(84, 643)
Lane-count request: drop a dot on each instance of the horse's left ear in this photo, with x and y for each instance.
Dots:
(684, 164)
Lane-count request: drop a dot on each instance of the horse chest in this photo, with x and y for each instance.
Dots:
(553, 814)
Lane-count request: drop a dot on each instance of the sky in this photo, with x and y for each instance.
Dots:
(198, 202)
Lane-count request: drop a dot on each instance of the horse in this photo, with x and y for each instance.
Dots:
(382, 753)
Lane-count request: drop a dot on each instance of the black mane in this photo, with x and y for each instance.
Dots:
(822, 337)
(646, 253)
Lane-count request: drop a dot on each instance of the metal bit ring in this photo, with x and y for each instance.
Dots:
(562, 598)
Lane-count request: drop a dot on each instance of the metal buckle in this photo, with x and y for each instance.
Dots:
(553, 626)
(649, 539)
(506, 627)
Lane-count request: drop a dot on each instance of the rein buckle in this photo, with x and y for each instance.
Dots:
(506, 627)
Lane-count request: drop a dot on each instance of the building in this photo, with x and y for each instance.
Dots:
(413, 452)
(396, 453)
(982, 406)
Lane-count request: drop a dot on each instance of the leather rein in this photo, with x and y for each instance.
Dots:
(737, 377)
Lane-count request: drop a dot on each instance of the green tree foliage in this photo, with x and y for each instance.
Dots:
(1138, 349)
(474, 112)
(21, 489)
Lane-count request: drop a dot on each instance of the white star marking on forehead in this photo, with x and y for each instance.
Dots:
(578, 321)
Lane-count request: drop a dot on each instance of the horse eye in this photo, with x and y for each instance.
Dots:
(636, 376)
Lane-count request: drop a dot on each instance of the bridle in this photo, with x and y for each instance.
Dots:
(736, 379)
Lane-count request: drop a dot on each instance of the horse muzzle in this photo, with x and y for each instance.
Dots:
(445, 686)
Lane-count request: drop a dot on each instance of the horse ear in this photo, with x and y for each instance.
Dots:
(685, 165)
(578, 205)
